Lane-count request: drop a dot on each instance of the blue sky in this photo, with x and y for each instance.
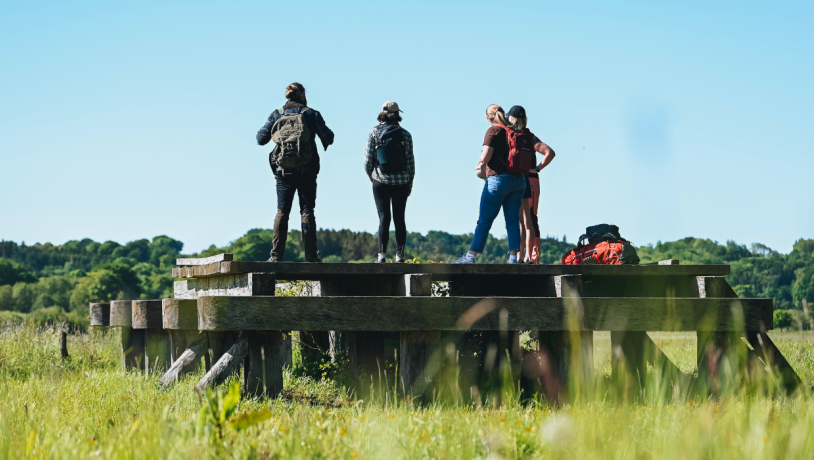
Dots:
(124, 120)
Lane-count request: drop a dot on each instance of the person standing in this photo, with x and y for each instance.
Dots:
(390, 165)
(295, 164)
(503, 189)
(529, 226)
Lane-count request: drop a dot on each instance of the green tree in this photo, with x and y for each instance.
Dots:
(11, 272)
(782, 319)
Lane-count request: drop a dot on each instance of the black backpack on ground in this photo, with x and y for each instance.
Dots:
(390, 151)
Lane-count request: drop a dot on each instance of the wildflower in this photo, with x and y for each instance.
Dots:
(518, 422)
(353, 454)
(502, 420)
(528, 429)
(421, 438)
(343, 431)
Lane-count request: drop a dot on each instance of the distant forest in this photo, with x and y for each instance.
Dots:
(63, 279)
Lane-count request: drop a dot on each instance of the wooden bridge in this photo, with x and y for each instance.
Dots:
(226, 312)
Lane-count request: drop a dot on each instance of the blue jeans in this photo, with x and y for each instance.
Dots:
(505, 190)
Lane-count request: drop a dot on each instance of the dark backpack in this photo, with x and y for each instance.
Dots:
(390, 150)
(521, 151)
(291, 134)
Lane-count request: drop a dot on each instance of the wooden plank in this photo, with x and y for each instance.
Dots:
(440, 272)
(241, 284)
(180, 314)
(100, 313)
(133, 348)
(180, 341)
(451, 313)
(158, 351)
(204, 260)
(719, 352)
(147, 314)
(223, 368)
(121, 313)
(669, 262)
(420, 357)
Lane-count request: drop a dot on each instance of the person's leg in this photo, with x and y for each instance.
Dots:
(400, 194)
(511, 211)
(285, 198)
(526, 232)
(307, 193)
(490, 201)
(381, 194)
(535, 204)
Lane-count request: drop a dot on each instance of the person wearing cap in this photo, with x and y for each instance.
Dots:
(390, 166)
(529, 226)
(300, 181)
(502, 189)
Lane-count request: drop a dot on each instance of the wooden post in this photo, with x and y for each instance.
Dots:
(417, 368)
(721, 355)
(63, 343)
(180, 341)
(189, 359)
(100, 314)
(228, 363)
(132, 340)
(147, 315)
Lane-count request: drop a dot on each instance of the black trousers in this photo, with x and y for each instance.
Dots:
(305, 187)
(385, 196)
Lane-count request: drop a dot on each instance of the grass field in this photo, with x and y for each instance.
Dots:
(86, 406)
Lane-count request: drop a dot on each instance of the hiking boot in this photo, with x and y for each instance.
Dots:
(400, 255)
(466, 259)
(381, 258)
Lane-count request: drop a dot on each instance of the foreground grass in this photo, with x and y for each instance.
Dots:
(87, 406)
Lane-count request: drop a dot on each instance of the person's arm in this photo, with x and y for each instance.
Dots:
(546, 151)
(408, 147)
(324, 133)
(486, 154)
(264, 135)
(370, 156)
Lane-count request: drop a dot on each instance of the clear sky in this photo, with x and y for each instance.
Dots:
(125, 120)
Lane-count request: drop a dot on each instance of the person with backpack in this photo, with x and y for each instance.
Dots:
(390, 165)
(295, 164)
(506, 157)
(529, 226)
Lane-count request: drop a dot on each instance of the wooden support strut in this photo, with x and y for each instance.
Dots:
(148, 316)
(187, 362)
(419, 356)
(132, 340)
(227, 364)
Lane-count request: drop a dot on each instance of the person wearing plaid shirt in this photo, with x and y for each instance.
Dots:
(390, 188)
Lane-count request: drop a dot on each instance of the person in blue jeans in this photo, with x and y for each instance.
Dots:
(502, 189)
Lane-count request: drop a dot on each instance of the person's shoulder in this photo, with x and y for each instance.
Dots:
(495, 129)
(406, 133)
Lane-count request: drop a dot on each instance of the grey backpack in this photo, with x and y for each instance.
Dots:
(290, 133)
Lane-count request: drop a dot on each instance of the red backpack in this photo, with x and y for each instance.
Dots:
(521, 151)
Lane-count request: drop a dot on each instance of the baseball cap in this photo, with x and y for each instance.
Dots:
(391, 106)
(517, 112)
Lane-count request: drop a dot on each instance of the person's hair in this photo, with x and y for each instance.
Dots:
(295, 92)
(391, 118)
(496, 115)
(519, 122)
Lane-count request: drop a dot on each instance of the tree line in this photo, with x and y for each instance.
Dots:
(61, 280)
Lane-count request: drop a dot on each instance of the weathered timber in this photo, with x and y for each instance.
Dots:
(241, 284)
(420, 357)
(669, 262)
(180, 314)
(451, 313)
(721, 353)
(223, 368)
(133, 348)
(100, 313)
(158, 351)
(121, 313)
(147, 314)
(640, 286)
(440, 272)
(190, 357)
(767, 351)
(180, 341)
(265, 361)
(205, 260)
(63, 343)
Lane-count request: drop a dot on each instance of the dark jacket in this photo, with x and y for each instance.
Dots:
(316, 125)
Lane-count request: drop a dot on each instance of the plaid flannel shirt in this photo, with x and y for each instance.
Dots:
(373, 169)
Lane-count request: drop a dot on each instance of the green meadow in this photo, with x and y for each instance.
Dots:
(86, 406)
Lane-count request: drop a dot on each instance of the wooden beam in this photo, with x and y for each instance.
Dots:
(133, 348)
(100, 313)
(669, 262)
(241, 284)
(224, 367)
(187, 362)
(121, 313)
(157, 350)
(451, 313)
(440, 272)
(205, 260)
(180, 314)
(420, 358)
(147, 314)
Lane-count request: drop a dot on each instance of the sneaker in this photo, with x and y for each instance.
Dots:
(466, 259)
(513, 260)
(399, 258)
(381, 259)
(272, 259)
(315, 261)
